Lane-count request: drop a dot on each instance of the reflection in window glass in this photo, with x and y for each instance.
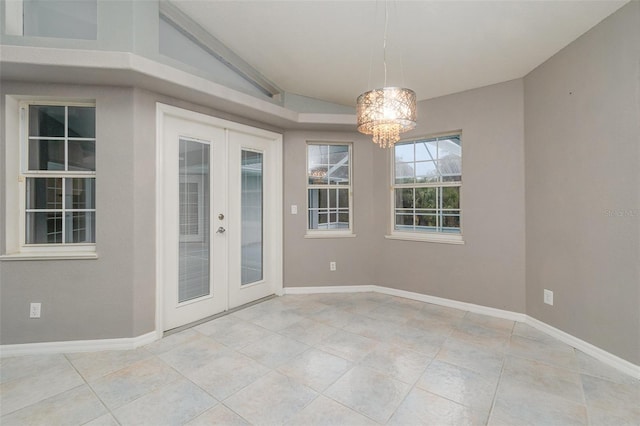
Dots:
(46, 154)
(329, 186)
(252, 217)
(61, 138)
(60, 206)
(427, 181)
(193, 227)
(47, 120)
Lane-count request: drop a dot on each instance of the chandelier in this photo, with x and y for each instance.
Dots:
(389, 111)
(385, 113)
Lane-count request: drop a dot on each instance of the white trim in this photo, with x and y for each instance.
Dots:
(328, 234)
(160, 113)
(78, 345)
(164, 110)
(13, 18)
(134, 342)
(433, 237)
(465, 306)
(317, 232)
(600, 354)
(426, 237)
(17, 173)
(49, 255)
(330, 289)
(128, 68)
(586, 347)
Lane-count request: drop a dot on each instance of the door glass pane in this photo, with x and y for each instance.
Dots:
(252, 193)
(194, 205)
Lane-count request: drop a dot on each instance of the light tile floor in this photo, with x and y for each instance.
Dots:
(332, 359)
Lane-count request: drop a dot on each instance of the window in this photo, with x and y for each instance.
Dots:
(427, 179)
(70, 19)
(59, 175)
(329, 189)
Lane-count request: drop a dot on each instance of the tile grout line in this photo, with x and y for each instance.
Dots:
(495, 392)
(66, 356)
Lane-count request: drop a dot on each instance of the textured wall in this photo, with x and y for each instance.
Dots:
(488, 269)
(582, 115)
(306, 261)
(83, 299)
(113, 296)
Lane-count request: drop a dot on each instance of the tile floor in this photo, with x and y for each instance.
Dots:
(331, 359)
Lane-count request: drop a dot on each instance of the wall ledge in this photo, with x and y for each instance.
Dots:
(97, 67)
(601, 355)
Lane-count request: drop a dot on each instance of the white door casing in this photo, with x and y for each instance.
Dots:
(226, 140)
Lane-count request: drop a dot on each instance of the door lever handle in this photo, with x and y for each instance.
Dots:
(221, 230)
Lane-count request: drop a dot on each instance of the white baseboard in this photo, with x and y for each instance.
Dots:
(600, 354)
(586, 347)
(478, 309)
(330, 289)
(471, 307)
(78, 345)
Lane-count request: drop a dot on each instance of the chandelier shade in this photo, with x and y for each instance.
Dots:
(385, 113)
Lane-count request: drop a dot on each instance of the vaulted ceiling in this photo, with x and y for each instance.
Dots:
(332, 50)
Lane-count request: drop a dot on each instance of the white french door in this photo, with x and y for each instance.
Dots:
(220, 215)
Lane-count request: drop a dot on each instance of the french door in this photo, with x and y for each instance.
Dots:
(220, 215)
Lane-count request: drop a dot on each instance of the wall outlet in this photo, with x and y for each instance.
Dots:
(548, 297)
(294, 209)
(34, 310)
(332, 266)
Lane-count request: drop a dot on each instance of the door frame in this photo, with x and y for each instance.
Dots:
(276, 269)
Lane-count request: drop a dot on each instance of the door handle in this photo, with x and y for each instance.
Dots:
(221, 230)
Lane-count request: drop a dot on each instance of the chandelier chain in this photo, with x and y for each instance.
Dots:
(384, 41)
(387, 112)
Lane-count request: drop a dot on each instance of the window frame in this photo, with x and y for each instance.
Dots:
(412, 235)
(17, 162)
(329, 233)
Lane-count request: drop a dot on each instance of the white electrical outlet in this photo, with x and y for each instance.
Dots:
(294, 209)
(34, 310)
(332, 266)
(548, 297)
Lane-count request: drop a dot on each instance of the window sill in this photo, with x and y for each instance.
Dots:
(429, 238)
(330, 235)
(69, 255)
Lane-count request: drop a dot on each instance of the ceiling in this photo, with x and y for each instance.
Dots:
(332, 50)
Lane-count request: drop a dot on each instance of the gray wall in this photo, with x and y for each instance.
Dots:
(572, 125)
(488, 269)
(306, 260)
(87, 299)
(582, 115)
(112, 296)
